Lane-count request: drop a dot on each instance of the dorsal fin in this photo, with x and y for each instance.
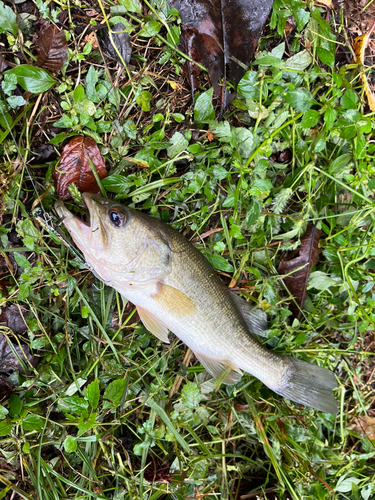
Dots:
(256, 319)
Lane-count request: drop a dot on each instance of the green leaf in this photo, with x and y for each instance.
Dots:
(150, 29)
(115, 391)
(310, 119)
(32, 422)
(24, 292)
(299, 61)
(72, 404)
(260, 187)
(178, 144)
(218, 262)
(79, 94)
(203, 109)
(252, 213)
(21, 260)
(91, 81)
(3, 412)
(86, 422)
(321, 281)
(269, 61)
(70, 444)
(132, 5)
(326, 56)
(144, 99)
(92, 393)
(340, 163)
(244, 141)
(344, 485)
(300, 99)
(8, 20)
(330, 117)
(15, 405)
(248, 86)
(117, 183)
(32, 79)
(191, 395)
(349, 100)
(5, 428)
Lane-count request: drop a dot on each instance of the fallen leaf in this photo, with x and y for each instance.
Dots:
(218, 34)
(121, 41)
(51, 47)
(299, 267)
(364, 425)
(360, 44)
(13, 317)
(326, 3)
(3, 64)
(9, 362)
(74, 167)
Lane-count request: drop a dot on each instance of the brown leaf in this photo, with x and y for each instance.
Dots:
(364, 425)
(74, 167)
(6, 388)
(9, 362)
(307, 257)
(360, 44)
(51, 47)
(3, 64)
(216, 33)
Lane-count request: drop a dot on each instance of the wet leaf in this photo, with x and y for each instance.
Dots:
(360, 45)
(51, 47)
(218, 262)
(218, 34)
(14, 316)
(74, 167)
(70, 444)
(9, 362)
(32, 79)
(299, 267)
(8, 20)
(3, 64)
(120, 41)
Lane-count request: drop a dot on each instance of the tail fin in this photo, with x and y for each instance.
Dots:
(310, 385)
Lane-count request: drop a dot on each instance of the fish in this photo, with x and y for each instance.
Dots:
(175, 289)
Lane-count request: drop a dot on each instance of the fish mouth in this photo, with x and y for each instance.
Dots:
(82, 232)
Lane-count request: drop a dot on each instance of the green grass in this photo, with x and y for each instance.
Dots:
(109, 412)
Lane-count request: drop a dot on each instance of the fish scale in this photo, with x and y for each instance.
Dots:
(175, 288)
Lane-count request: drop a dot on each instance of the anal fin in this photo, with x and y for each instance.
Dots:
(153, 325)
(216, 368)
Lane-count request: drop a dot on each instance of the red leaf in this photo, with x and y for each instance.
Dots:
(217, 32)
(74, 167)
(51, 47)
(306, 258)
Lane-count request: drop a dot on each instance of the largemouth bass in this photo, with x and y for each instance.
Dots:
(175, 288)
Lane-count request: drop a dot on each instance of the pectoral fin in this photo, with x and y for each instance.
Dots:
(174, 301)
(153, 325)
(255, 319)
(216, 368)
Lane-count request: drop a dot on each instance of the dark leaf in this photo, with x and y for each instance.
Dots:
(13, 317)
(9, 362)
(3, 64)
(74, 166)
(52, 48)
(121, 41)
(306, 258)
(219, 33)
(6, 388)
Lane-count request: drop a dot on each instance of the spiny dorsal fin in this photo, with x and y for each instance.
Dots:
(153, 325)
(256, 319)
(174, 301)
(216, 368)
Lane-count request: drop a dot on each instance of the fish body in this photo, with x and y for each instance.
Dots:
(175, 288)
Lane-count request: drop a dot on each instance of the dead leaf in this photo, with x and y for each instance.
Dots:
(364, 425)
(326, 3)
(51, 47)
(360, 44)
(307, 257)
(6, 388)
(121, 41)
(218, 33)
(9, 362)
(13, 317)
(74, 166)
(3, 64)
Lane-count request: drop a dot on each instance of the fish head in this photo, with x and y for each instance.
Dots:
(122, 246)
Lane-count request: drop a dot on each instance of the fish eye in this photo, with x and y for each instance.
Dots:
(116, 217)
